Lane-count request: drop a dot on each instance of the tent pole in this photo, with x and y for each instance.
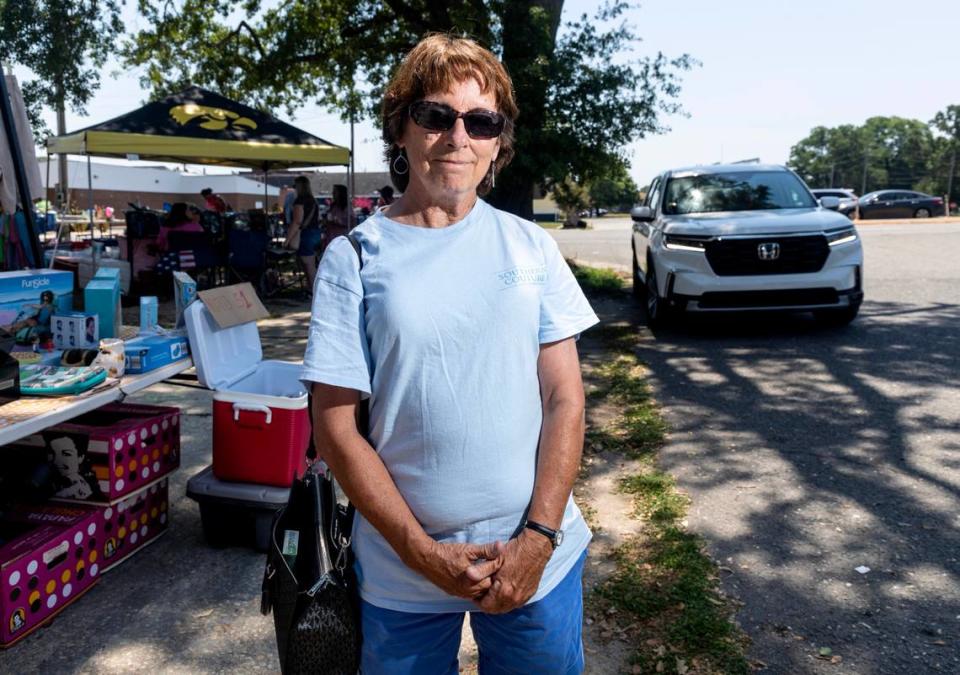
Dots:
(90, 196)
(19, 170)
(352, 182)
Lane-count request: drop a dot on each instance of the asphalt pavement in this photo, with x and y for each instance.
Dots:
(824, 464)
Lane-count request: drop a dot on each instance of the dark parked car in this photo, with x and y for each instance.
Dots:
(900, 204)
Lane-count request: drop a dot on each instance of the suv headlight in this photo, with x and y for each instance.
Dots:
(685, 242)
(839, 237)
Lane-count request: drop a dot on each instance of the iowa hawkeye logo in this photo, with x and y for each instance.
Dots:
(212, 119)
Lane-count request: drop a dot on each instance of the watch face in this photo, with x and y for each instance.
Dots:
(558, 538)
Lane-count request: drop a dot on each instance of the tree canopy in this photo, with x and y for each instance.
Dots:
(884, 152)
(64, 43)
(583, 94)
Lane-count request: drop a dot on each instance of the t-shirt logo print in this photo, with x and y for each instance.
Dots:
(521, 276)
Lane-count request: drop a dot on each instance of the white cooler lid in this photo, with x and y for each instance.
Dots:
(221, 355)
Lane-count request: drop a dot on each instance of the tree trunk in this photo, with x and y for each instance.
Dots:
(529, 41)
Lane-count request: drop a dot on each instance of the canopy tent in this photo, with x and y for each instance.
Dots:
(200, 127)
(197, 126)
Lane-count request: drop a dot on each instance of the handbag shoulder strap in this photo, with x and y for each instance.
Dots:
(363, 410)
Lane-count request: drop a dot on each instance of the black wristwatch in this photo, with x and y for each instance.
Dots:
(555, 536)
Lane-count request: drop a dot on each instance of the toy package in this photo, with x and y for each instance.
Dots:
(76, 330)
(40, 380)
(185, 292)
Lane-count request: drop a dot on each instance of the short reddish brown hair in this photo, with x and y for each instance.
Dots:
(435, 65)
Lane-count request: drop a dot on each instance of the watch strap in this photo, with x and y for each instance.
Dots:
(549, 533)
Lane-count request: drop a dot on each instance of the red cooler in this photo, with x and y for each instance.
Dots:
(261, 425)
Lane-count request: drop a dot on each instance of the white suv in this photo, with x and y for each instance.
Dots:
(743, 237)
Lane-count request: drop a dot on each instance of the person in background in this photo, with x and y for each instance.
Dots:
(303, 232)
(459, 322)
(386, 196)
(213, 201)
(289, 197)
(339, 220)
(183, 217)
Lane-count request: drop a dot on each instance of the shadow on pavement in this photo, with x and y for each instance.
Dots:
(812, 451)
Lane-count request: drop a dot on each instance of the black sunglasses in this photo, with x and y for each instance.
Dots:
(435, 116)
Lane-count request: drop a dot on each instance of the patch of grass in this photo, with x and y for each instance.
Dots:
(549, 224)
(640, 428)
(597, 280)
(664, 590)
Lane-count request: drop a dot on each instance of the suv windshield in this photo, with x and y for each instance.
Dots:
(735, 191)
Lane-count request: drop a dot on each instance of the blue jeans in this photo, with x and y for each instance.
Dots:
(542, 637)
(309, 242)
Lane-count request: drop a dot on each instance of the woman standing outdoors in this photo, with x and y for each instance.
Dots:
(460, 327)
(303, 234)
(339, 219)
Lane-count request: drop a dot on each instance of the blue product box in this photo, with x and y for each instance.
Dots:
(149, 352)
(149, 310)
(20, 293)
(102, 297)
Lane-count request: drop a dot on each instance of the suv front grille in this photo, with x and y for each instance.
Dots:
(740, 257)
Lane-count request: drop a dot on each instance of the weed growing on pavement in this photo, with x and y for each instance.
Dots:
(664, 592)
(597, 280)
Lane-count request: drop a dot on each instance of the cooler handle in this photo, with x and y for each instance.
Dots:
(251, 407)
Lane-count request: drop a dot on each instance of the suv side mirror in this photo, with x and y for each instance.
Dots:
(641, 214)
(832, 203)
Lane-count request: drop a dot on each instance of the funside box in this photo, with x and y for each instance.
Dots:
(261, 426)
(49, 556)
(110, 452)
(18, 289)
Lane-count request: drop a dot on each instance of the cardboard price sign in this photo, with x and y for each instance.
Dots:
(234, 305)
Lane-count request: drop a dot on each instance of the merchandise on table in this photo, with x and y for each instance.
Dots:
(236, 513)
(75, 330)
(261, 425)
(9, 378)
(49, 556)
(149, 310)
(40, 380)
(184, 292)
(24, 287)
(28, 301)
(108, 453)
(102, 297)
(112, 356)
(149, 352)
(133, 522)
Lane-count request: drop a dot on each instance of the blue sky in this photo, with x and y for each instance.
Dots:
(771, 70)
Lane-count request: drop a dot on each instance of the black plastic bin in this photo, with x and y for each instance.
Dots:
(235, 514)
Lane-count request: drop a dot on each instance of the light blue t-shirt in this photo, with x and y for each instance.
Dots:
(442, 329)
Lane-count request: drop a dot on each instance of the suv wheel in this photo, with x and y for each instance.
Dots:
(658, 314)
(837, 317)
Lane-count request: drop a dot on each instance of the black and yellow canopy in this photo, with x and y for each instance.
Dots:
(200, 127)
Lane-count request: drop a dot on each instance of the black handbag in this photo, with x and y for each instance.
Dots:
(309, 582)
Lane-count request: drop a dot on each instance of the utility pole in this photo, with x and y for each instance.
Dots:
(63, 196)
(833, 168)
(953, 166)
(863, 184)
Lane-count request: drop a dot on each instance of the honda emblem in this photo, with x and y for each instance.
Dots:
(768, 251)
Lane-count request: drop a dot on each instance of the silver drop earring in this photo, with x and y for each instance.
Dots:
(400, 164)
